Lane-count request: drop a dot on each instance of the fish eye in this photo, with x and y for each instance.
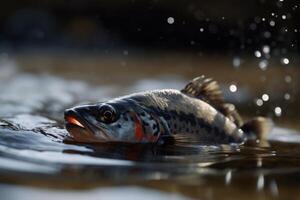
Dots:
(107, 114)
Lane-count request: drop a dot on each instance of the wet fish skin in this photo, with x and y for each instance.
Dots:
(182, 115)
(159, 113)
(196, 114)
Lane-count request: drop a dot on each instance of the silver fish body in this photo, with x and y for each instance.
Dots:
(154, 116)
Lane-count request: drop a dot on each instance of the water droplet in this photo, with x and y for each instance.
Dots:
(236, 62)
(253, 26)
(278, 111)
(201, 29)
(263, 64)
(170, 20)
(257, 54)
(267, 34)
(287, 96)
(295, 7)
(257, 19)
(259, 102)
(266, 49)
(272, 23)
(125, 52)
(285, 61)
(232, 88)
(288, 79)
(265, 97)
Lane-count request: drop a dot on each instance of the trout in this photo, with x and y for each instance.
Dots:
(195, 114)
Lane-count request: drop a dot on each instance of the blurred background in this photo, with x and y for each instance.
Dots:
(250, 47)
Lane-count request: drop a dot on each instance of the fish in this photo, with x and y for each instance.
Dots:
(197, 114)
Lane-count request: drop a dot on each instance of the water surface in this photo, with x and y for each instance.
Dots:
(37, 158)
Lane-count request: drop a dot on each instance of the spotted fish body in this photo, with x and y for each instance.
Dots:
(196, 114)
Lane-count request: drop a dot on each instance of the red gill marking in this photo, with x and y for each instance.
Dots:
(139, 131)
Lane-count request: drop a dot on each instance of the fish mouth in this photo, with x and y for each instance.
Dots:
(73, 121)
(81, 130)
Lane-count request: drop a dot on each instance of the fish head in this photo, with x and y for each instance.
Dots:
(105, 122)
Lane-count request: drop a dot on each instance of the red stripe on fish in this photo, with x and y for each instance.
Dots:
(139, 131)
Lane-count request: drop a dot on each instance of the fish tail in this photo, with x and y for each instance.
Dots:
(259, 127)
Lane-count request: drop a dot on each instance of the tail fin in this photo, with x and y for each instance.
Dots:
(259, 127)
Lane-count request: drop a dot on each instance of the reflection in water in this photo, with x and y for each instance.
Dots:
(10, 192)
(260, 182)
(228, 177)
(274, 188)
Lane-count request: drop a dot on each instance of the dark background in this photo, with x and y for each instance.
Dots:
(231, 26)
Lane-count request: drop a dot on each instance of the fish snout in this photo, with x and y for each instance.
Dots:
(69, 112)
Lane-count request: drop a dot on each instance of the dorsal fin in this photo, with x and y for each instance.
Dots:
(208, 90)
(205, 89)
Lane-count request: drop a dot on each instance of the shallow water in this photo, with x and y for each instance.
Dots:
(37, 159)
